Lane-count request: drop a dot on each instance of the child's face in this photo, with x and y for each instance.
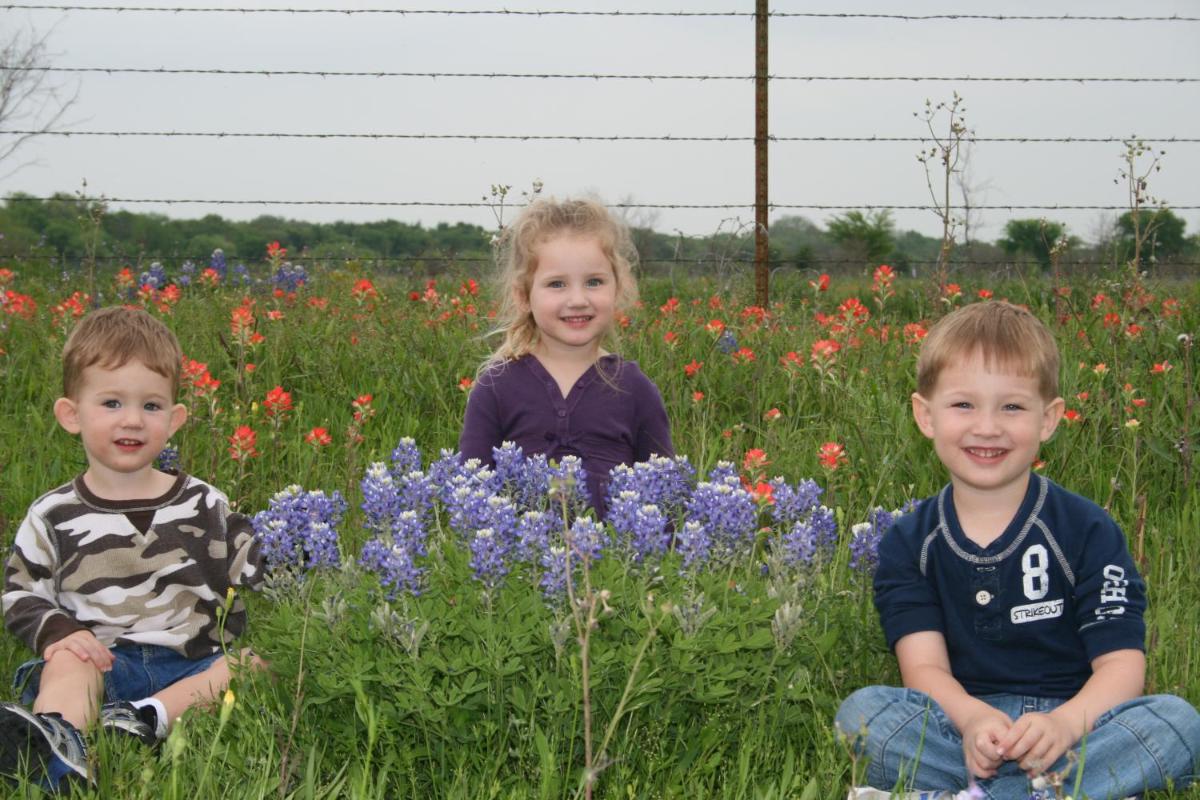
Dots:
(124, 417)
(573, 293)
(986, 425)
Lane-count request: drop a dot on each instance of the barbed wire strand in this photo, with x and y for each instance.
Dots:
(484, 204)
(505, 12)
(530, 137)
(596, 76)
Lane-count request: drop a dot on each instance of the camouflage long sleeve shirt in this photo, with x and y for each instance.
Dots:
(80, 562)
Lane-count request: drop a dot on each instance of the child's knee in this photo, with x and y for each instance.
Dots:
(857, 710)
(65, 665)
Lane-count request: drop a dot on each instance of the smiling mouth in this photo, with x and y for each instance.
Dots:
(128, 443)
(986, 452)
(576, 320)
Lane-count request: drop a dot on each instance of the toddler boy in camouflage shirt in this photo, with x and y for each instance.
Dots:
(121, 580)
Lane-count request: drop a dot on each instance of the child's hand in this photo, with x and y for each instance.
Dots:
(1036, 741)
(982, 736)
(85, 646)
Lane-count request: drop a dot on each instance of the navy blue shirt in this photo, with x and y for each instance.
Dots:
(621, 420)
(1029, 612)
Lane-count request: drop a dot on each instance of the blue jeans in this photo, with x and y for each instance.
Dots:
(1135, 747)
(138, 671)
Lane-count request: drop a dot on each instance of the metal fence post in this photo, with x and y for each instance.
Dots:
(762, 271)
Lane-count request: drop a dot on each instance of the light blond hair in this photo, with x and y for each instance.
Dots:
(111, 336)
(541, 220)
(1005, 336)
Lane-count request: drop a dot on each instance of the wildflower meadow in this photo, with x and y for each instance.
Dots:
(438, 629)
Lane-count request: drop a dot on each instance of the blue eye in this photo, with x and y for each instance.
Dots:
(593, 282)
(111, 404)
(152, 407)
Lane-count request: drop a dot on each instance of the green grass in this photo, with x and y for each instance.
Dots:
(490, 705)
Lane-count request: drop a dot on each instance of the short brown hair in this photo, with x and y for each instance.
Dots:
(1002, 333)
(112, 336)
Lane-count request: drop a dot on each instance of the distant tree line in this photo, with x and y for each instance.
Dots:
(67, 230)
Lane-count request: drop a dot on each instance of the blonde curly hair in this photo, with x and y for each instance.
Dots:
(543, 219)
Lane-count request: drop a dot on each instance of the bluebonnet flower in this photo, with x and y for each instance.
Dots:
(217, 263)
(381, 498)
(446, 466)
(502, 518)
(155, 277)
(662, 481)
(289, 277)
(694, 544)
(569, 483)
(727, 342)
(468, 509)
(406, 457)
(722, 472)
(533, 534)
(586, 539)
(642, 527)
(533, 485)
(241, 275)
(409, 532)
(865, 536)
(727, 513)
(299, 528)
(509, 461)
(416, 493)
(487, 559)
(554, 573)
(793, 503)
(798, 546)
(168, 459)
(394, 565)
(185, 273)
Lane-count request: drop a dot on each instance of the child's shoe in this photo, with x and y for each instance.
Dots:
(125, 718)
(46, 742)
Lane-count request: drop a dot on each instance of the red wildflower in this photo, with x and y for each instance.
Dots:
(670, 337)
(1160, 368)
(985, 294)
(670, 307)
(465, 384)
(278, 402)
(318, 437)
(275, 251)
(274, 315)
(241, 443)
(820, 284)
(691, 369)
(1133, 330)
(1072, 416)
(772, 414)
(363, 289)
(744, 355)
(824, 353)
(362, 407)
(914, 332)
(715, 327)
(319, 303)
(755, 460)
(470, 286)
(697, 397)
(831, 455)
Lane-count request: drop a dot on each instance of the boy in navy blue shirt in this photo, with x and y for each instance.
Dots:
(1013, 606)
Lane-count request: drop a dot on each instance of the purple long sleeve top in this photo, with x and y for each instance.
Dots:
(603, 423)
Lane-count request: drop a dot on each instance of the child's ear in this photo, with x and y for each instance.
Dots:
(521, 298)
(1051, 416)
(67, 414)
(922, 414)
(179, 414)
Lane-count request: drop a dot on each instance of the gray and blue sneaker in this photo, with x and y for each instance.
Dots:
(46, 744)
(125, 718)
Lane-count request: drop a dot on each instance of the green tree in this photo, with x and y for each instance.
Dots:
(870, 235)
(1163, 232)
(1032, 237)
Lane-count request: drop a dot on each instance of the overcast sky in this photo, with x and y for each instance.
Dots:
(396, 170)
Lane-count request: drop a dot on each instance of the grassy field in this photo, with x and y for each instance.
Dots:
(715, 678)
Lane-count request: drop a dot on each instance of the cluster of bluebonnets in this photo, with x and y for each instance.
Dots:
(530, 516)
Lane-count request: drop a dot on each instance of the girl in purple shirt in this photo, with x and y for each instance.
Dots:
(550, 387)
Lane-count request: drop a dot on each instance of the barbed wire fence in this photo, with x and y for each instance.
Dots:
(763, 137)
